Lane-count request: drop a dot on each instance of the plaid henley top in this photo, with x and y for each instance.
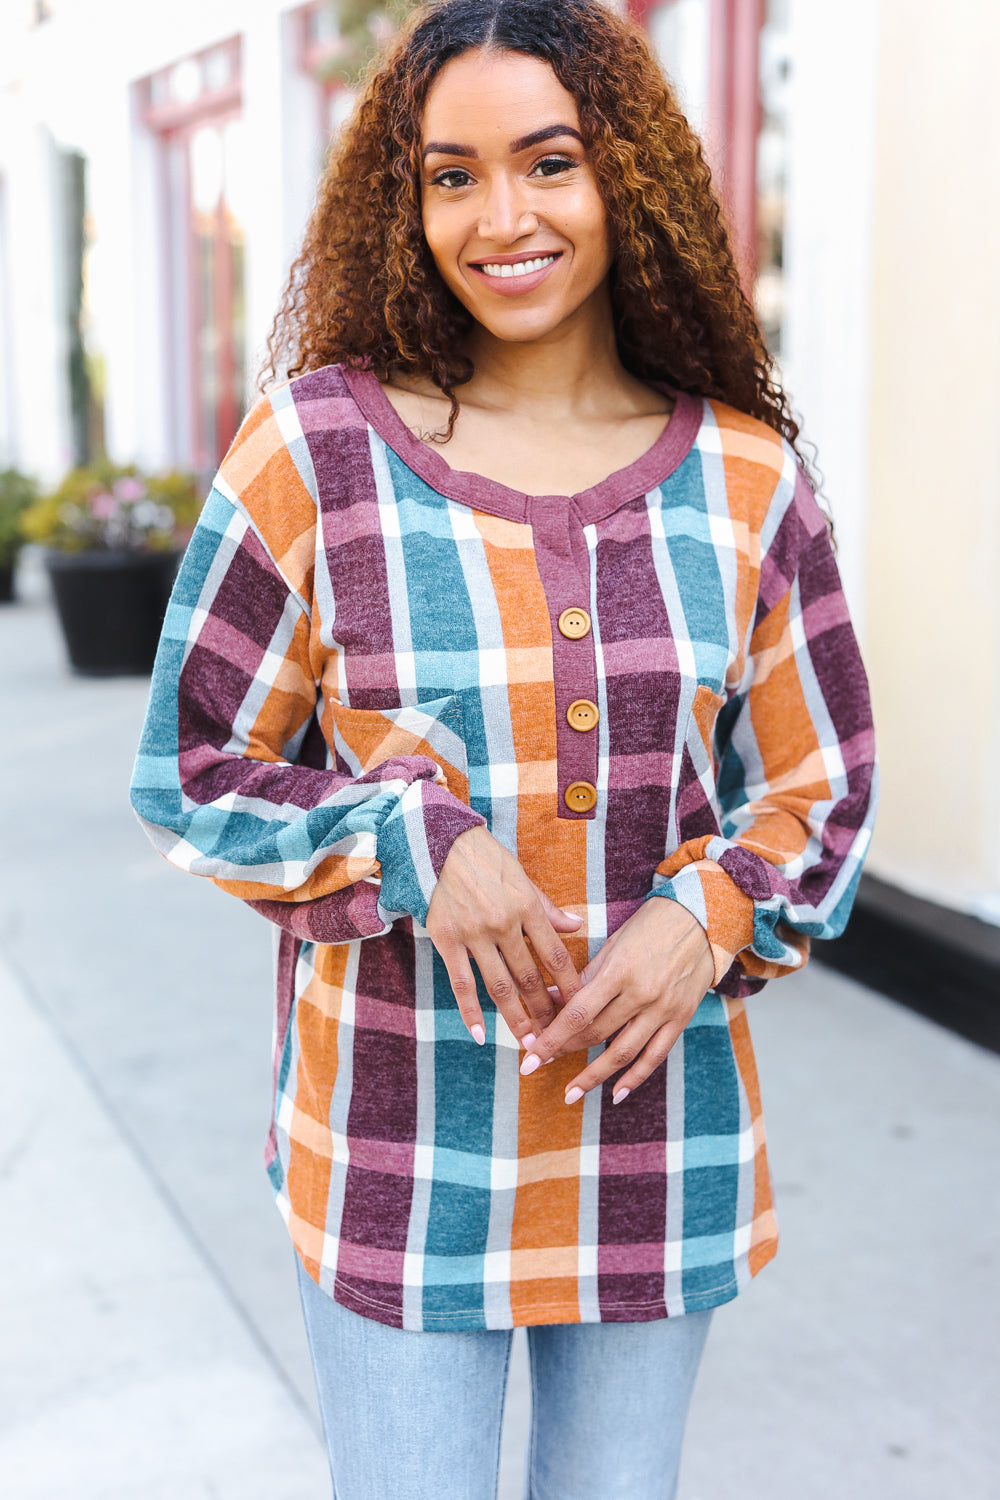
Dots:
(367, 653)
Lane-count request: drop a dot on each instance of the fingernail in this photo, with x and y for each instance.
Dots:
(478, 1034)
(531, 1062)
(571, 914)
(572, 1095)
(549, 1060)
(621, 1094)
(528, 1040)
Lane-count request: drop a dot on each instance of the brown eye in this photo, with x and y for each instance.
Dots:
(454, 177)
(553, 165)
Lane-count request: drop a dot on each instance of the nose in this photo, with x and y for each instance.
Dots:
(505, 215)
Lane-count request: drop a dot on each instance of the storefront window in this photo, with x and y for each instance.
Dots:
(195, 109)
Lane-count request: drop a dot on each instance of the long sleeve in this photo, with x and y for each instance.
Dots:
(232, 779)
(794, 770)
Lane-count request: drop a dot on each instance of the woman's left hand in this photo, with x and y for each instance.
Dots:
(645, 984)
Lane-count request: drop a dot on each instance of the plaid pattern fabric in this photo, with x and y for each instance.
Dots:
(361, 660)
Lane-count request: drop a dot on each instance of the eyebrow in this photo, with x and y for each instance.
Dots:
(547, 133)
(523, 142)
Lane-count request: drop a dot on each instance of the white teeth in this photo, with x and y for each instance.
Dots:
(520, 268)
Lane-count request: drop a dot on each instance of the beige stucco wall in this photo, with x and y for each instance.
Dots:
(933, 556)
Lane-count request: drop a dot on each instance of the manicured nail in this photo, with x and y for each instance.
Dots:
(571, 914)
(531, 1062)
(572, 1095)
(549, 1060)
(621, 1094)
(478, 1034)
(528, 1040)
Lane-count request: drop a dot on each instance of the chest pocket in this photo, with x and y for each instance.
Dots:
(363, 738)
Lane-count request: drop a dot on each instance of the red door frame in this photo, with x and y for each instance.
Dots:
(172, 121)
(733, 113)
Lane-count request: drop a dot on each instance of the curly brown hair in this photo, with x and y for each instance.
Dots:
(365, 290)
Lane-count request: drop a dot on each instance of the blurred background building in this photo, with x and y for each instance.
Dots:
(157, 165)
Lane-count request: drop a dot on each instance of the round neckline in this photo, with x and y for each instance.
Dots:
(479, 493)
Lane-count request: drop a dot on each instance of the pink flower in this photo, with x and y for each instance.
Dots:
(129, 489)
(103, 506)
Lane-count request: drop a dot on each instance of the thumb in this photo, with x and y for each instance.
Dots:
(562, 921)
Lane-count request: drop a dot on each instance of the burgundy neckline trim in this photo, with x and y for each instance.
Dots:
(479, 493)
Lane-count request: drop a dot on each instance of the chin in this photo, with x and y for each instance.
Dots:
(521, 328)
(520, 335)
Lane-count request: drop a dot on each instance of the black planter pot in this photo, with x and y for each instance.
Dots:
(111, 607)
(6, 583)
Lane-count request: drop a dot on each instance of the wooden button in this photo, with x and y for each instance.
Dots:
(580, 796)
(582, 714)
(574, 623)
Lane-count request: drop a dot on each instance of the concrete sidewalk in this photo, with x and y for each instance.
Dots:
(151, 1345)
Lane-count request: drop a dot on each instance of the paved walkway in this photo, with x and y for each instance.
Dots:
(151, 1347)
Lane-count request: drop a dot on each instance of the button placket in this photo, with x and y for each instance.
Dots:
(563, 563)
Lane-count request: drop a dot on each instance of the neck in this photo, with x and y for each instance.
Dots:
(569, 369)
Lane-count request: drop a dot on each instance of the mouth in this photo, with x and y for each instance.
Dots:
(510, 274)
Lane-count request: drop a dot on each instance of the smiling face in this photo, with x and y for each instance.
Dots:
(511, 208)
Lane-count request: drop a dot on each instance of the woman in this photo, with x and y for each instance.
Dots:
(513, 610)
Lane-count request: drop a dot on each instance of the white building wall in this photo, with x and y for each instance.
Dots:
(934, 512)
(41, 440)
(35, 420)
(828, 252)
(7, 409)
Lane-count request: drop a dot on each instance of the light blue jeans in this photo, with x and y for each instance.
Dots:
(416, 1416)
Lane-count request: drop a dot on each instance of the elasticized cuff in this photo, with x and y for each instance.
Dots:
(413, 844)
(717, 903)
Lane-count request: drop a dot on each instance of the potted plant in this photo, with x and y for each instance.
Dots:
(113, 537)
(17, 492)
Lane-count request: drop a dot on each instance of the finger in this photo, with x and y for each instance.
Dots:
(623, 1050)
(552, 954)
(502, 990)
(653, 1054)
(561, 919)
(530, 985)
(604, 1024)
(463, 986)
(571, 1029)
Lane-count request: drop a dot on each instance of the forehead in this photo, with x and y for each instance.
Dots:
(483, 97)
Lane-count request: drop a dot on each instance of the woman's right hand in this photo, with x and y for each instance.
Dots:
(484, 907)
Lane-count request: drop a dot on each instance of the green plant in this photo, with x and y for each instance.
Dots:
(17, 492)
(112, 506)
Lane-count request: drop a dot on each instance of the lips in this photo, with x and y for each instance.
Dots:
(516, 267)
(512, 274)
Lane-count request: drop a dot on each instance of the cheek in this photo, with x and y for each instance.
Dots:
(439, 242)
(599, 247)
(427, 219)
(604, 237)
(592, 227)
